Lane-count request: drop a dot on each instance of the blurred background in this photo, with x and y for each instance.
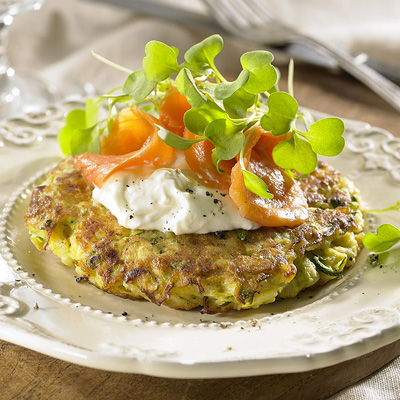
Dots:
(46, 57)
(55, 43)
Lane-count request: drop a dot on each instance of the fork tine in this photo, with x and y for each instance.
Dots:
(226, 15)
(260, 10)
(249, 19)
(248, 9)
(278, 32)
(234, 15)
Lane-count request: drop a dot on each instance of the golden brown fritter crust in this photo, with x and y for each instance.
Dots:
(219, 271)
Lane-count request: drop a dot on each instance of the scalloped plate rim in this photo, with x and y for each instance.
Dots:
(225, 367)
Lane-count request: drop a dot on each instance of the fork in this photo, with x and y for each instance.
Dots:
(253, 21)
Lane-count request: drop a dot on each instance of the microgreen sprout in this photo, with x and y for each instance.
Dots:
(221, 110)
(386, 236)
(393, 207)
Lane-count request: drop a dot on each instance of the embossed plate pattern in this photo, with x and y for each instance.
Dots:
(42, 307)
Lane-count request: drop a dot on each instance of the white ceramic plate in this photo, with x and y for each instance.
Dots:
(43, 308)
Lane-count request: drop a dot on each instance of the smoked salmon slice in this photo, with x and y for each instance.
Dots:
(130, 129)
(133, 140)
(199, 159)
(172, 110)
(288, 207)
(144, 147)
(96, 168)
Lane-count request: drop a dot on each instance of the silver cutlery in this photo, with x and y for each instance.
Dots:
(252, 20)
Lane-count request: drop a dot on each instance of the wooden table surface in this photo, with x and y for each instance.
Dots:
(25, 374)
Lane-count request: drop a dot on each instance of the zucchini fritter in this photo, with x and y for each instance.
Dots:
(217, 271)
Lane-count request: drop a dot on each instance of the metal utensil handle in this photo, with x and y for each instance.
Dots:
(371, 78)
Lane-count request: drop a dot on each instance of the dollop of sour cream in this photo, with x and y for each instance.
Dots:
(169, 200)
